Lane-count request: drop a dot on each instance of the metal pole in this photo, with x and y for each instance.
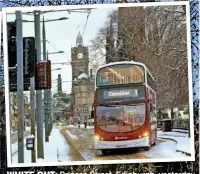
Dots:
(39, 115)
(11, 118)
(32, 99)
(189, 127)
(20, 87)
(49, 107)
(45, 91)
(49, 111)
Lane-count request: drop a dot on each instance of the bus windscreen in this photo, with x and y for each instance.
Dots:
(120, 74)
(120, 118)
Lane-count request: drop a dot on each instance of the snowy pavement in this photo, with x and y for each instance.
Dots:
(182, 140)
(55, 150)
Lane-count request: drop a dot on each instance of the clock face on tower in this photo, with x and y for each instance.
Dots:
(80, 55)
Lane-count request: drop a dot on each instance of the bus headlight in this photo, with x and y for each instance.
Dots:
(146, 134)
(97, 137)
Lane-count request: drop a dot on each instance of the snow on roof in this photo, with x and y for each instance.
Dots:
(83, 76)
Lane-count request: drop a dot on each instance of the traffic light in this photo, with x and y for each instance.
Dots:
(12, 46)
(43, 75)
(29, 59)
(12, 55)
(12, 31)
(29, 56)
(13, 80)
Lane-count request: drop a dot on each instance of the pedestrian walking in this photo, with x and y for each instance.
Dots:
(79, 124)
(85, 124)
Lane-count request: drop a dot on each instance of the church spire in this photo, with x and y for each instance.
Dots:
(79, 40)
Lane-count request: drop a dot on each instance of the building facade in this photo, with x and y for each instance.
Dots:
(83, 84)
(14, 111)
(79, 57)
(83, 97)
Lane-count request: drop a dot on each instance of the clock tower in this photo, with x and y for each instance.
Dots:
(79, 57)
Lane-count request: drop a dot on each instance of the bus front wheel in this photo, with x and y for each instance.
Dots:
(154, 143)
(103, 151)
(146, 148)
(100, 152)
(149, 145)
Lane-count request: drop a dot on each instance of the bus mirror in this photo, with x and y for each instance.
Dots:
(92, 114)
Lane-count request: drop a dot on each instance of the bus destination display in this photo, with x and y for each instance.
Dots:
(120, 93)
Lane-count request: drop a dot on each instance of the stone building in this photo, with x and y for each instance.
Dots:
(67, 112)
(83, 97)
(79, 57)
(83, 84)
(14, 111)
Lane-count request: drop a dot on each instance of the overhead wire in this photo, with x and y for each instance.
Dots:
(69, 63)
(86, 23)
(58, 50)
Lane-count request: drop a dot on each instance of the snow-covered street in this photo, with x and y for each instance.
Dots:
(77, 145)
(164, 148)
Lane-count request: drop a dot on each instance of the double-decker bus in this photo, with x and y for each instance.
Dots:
(124, 107)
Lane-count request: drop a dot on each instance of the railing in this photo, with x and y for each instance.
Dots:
(176, 123)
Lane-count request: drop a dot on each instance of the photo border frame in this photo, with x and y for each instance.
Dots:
(65, 7)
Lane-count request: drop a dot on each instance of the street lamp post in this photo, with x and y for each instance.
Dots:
(39, 114)
(50, 20)
(58, 52)
(46, 109)
(20, 84)
(56, 69)
(47, 93)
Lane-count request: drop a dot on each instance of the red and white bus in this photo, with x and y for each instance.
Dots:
(124, 107)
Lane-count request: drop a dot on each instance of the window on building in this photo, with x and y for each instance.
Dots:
(83, 101)
(80, 72)
(83, 87)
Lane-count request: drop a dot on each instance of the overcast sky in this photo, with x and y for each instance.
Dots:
(62, 35)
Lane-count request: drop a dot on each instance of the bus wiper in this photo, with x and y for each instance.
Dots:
(109, 104)
(104, 104)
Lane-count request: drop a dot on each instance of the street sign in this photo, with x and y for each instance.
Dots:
(43, 75)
